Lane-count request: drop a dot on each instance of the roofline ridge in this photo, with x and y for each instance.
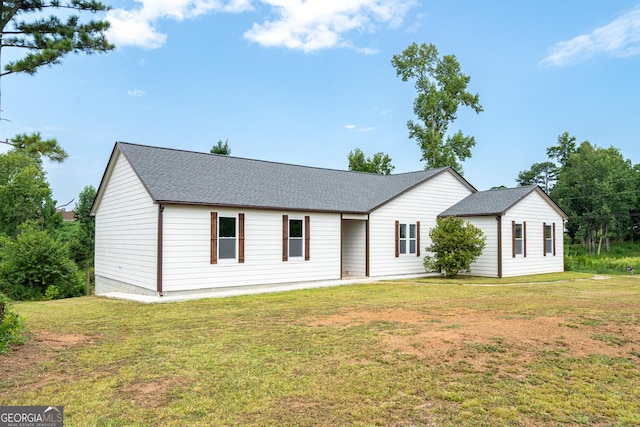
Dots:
(257, 160)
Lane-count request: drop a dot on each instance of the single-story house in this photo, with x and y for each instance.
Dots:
(523, 227)
(172, 221)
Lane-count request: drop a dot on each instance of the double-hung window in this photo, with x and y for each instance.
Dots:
(295, 238)
(407, 238)
(296, 242)
(549, 239)
(227, 237)
(519, 238)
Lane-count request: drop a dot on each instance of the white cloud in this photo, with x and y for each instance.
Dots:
(357, 129)
(369, 129)
(305, 25)
(620, 38)
(320, 24)
(137, 27)
(136, 92)
(130, 29)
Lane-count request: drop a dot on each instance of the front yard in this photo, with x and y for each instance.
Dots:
(419, 353)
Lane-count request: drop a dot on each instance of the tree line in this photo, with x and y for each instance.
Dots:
(597, 187)
(40, 256)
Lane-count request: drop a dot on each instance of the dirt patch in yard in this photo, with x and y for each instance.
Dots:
(40, 350)
(477, 336)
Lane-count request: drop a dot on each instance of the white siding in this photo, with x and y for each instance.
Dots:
(423, 204)
(354, 247)
(126, 231)
(487, 263)
(186, 248)
(535, 210)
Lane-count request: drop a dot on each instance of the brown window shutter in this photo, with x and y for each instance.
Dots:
(214, 237)
(544, 238)
(285, 237)
(418, 238)
(524, 238)
(307, 237)
(397, 239)
(553, 230)
(241, 238)
(513, 239)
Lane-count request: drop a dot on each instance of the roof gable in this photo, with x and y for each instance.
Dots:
(497, 202)
(186, 177)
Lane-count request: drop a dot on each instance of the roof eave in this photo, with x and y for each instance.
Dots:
(258, 207)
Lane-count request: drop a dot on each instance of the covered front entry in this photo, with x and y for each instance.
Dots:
(355, 246)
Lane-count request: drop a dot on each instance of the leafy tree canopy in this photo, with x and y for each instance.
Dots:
(221, 148)
(442, 90)
(36, 265)
(455, 246)
(561, 152)
(24, 193)
(598, 188)
(543, 174)
(380, 163)
(82, 246)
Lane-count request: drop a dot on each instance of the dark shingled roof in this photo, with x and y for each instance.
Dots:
(490, 202)
(177, 176)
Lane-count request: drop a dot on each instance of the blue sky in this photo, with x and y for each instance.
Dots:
(306, 82)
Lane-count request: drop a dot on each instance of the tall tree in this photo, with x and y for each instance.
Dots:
(543, 174)
(442, 90)
(47, 39)
(380, 163)
(561, 152)
(24, 193)
(33, 145)
(597, 187)
(221, 148)
(83, 251)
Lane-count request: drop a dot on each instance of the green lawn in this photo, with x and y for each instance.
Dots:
(471, 352)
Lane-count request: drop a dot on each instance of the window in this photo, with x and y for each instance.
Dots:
(407, 238)
(549, 239)
(227, 237)
(519, 238)
(296, 240)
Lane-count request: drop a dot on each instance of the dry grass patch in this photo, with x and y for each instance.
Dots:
(388, 354)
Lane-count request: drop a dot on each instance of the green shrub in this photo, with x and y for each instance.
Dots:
(455, 244)
(34, 261)
(12, 327)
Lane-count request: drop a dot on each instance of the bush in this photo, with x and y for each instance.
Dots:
(455, 244)
(33, 262)
(11, 326)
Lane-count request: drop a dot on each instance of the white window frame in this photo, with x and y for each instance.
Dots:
(548, 241)
(407, 240)
(519, 248)
(222, 239)
(296, 239)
